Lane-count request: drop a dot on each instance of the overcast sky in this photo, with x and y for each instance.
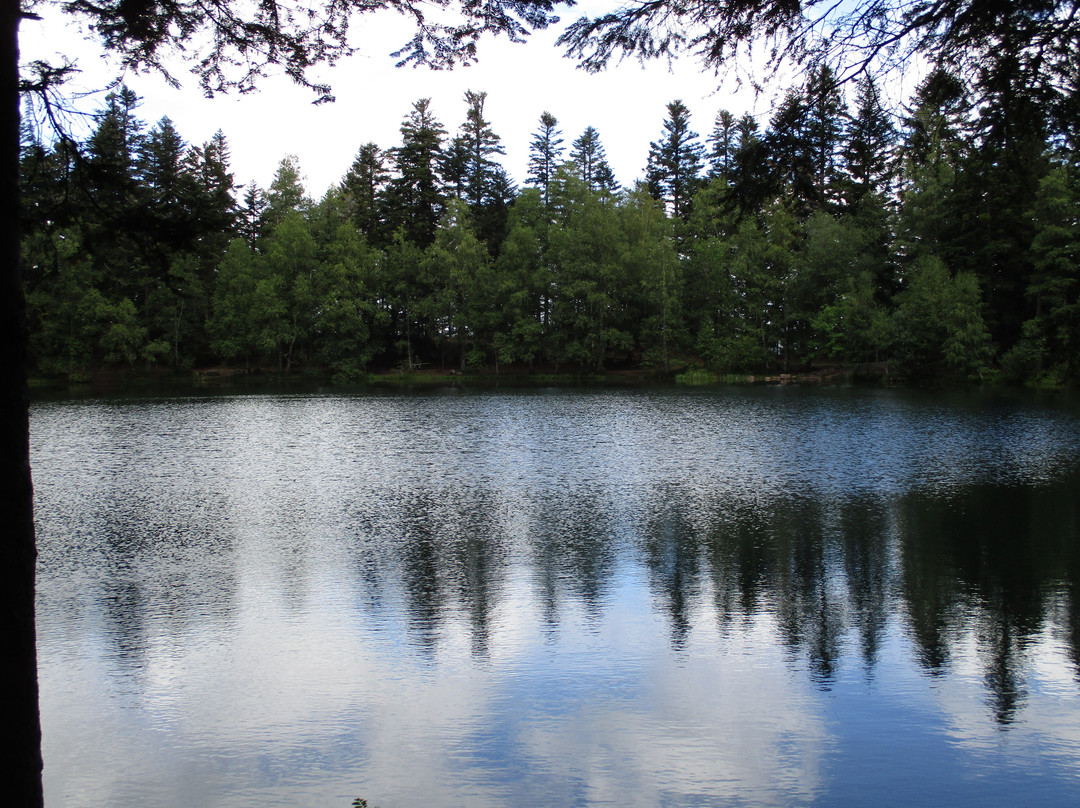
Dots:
(626, 103)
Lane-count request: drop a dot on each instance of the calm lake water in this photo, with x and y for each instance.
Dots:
(559, 598)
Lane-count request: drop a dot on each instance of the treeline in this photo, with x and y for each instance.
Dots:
(943, 238)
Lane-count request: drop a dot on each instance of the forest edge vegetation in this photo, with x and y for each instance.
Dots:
(1017, 57)
(923, 240)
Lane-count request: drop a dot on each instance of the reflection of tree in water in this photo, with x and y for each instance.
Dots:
(992, 561)
(988, 565)
(574, 553)
(672, 554)
(1004, 653)
(161, 580)
(477, 564)
(865, 541)
(929, 583)
(420, 571)
(452, 558)
(125, 611)
(760, 560)
(810, 617)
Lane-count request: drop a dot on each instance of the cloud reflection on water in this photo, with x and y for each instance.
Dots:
(554, 598)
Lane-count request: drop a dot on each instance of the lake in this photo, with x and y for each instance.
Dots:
(744, 596)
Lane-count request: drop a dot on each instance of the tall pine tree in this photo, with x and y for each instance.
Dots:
(723, 145)
(589, 156)
(363, 187)
(545, 153)
(415, 200)
(674, 163)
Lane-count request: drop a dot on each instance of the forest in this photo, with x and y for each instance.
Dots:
(938, 240)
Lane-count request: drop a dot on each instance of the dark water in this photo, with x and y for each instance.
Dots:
(559, 598)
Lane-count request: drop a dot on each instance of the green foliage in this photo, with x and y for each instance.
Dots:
(1026, 361)
(590, 158)
(233, 322)
(589, 311)
(854, 327)
(286, 194)
(414, 196)
(545, 154)
(696, 377)
(818, 238)
(675, 162)
(460, 268)
(938, 323)
(343, 300)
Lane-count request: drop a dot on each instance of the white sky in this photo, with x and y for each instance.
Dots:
(626, 103)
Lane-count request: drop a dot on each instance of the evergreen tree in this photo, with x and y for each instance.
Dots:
(216, 208)
(176, 238)
(826, 116)
(589, 156)
(112, 197)
(481, 144)
(675, 162)
(292, 265)
(790, 164)
(938, 322)
(251, 221)
(344, 297)
(933, 215)
(1001, 183)
(938, 122)
(487, 188)
(414, 197)
(651, 265)
(234, 317)
(160, 169)
(746, 132)
(490, 217)
(803, 143)
(286, 193)
(454, 167)
(867, 189)
(590, 314)
(723, 145)
(524, 281)
(164, 220)
(545, 153)
(870, 139)
(1047, 350)
(112, 151)
(752, 185)
(363, 188)
(460, 268)
(408, 297)
(604, 178)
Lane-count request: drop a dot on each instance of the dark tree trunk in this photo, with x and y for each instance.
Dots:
(20, 771)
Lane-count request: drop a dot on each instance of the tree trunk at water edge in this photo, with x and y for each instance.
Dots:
(20, 770)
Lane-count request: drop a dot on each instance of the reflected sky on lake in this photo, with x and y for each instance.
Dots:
(753, 596)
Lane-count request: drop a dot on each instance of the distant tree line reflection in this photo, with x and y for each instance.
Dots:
(985, 566)
(995, 563)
